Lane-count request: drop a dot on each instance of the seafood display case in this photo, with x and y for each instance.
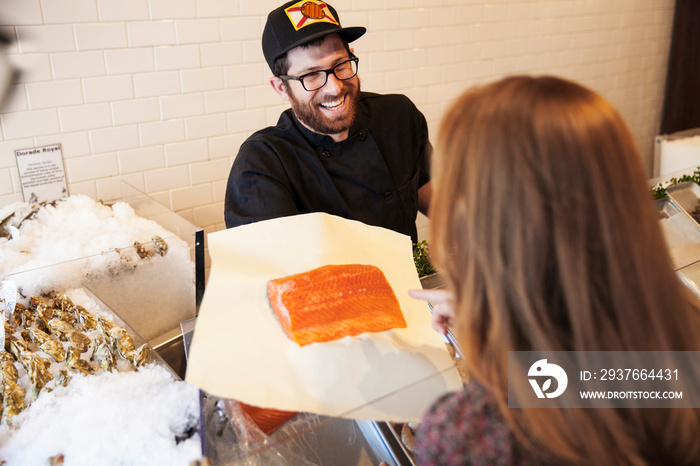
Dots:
(153, 283)
(679, 215)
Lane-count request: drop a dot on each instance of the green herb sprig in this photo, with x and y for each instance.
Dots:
(421, 260)
(659, 189)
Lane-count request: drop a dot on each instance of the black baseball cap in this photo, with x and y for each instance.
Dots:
(301, 21)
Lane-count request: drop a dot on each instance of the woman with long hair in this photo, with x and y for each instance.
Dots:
(544, 230)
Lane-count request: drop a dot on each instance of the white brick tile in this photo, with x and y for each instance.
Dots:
(29, 124)
(191, 196)
(216, 8)
(367, 5)
(188, 214)
(72, 144)
(457, 35)
(108, 88)
(382, 21)
(5, 182)
(162, 132)
(164, 199)
(49, 38)
(399, 40)
(86, 188)
(179, 106)
(441, 17)
(252, 51)
(177, 57)
(168, 9)
(114, 139)
(11, 199)
(412, 59)
(135, 111)
(77, 11)
(111, 189)
(91, 167)
(15, 99)
(100, 36)
(124, 61)
(393, 4)
(212, 170)
(259, 7)
(182, 153)
(16, 183)
(224, 101)
(481, 32)
(82, 117)
(166, 178)
(209, 214)
(203, 79)
(371, 41)
(245, 75)
(23, 12)
(219, 189)
(54, 94)
(261, 96)
(206, 126)
(430, 37)
(156, 84)
(33, 67)
(493, 12)
(221, 53)
(191, 31)
(150, 33)
(123, 10)
(68, 65)
(551, 26)
(470, 52)
(226, 146)
(139, 160)
(243, 28)
(398, 80)
(8, 148)
(385, 61)
(411, 18)
(247, 120)
(272, 114)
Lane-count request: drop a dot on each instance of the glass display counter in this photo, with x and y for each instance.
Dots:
(153, 282)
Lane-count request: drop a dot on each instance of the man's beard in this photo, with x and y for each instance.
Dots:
(311, 116)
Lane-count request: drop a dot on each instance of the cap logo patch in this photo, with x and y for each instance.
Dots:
(308, 12)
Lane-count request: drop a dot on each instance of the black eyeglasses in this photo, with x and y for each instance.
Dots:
(316, 80)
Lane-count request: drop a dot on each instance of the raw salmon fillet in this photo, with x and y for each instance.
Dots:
(267, 419)
(334, 301)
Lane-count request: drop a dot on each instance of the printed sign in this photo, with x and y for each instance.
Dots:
(41, 173)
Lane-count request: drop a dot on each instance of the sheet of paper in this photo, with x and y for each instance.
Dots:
(240, 351)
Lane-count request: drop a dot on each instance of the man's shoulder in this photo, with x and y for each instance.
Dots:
(391, 100)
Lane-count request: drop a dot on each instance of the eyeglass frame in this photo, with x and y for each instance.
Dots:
(353, 58)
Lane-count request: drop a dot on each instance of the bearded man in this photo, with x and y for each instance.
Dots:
(338, 150)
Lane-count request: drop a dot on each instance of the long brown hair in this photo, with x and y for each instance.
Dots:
(543, 226)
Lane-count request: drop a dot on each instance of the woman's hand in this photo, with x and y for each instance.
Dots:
(443, 310)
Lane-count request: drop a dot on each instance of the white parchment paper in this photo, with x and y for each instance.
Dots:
(240, 351)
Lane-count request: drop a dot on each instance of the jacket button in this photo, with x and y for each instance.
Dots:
(362, 136)
(387, 195)
(325, 153)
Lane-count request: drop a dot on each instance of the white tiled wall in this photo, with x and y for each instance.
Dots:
(162, 92)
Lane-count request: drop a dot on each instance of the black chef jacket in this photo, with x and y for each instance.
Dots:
(373, 176)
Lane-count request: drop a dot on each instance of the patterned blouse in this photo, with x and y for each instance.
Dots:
(466, 428)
